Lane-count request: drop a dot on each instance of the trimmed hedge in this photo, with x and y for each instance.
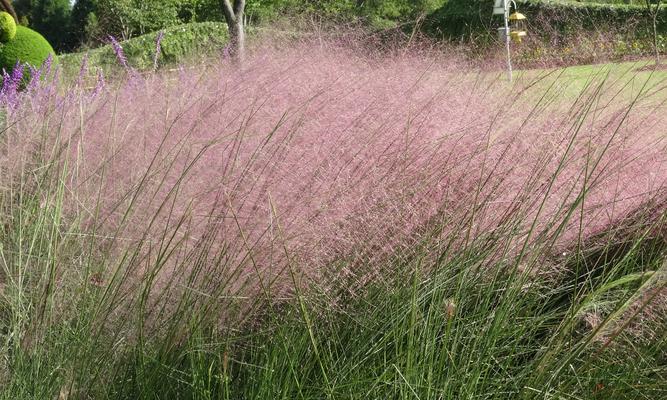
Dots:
(464, 18)
(591, 15)
(179, 42)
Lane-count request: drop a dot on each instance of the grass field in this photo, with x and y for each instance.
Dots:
(325, 222)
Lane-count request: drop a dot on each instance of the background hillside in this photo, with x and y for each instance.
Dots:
(90, 22)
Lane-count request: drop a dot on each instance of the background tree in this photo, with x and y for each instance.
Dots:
(653, 10)
(84, 25)
(393, 13)
(51, 18)
(127, 18)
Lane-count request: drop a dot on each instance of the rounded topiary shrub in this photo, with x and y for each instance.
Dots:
(25, 46)
(7, 27)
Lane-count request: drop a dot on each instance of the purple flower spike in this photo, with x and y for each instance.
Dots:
(9, 95)
(83, 70)
(46, 66)
(120, 55)
(6, 78)
(100, 83)
(17, 72)
(35, 77)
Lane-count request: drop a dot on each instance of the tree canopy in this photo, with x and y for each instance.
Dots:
(51, 18)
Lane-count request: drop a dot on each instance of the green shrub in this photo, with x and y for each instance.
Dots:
(466, 18)
(27, 47)
(7, 27)
(179, 43)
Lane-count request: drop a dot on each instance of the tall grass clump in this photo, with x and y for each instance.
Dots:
(325, 223)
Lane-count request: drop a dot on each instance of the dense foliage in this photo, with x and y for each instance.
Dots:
(127, 18)
(91, 22)
(51, 18)
(84, 23)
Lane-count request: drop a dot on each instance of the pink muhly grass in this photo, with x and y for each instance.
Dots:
(329, 163)
(35, 78)
(100, 84)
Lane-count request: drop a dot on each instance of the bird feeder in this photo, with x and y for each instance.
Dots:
(514, 28)
(517, 26)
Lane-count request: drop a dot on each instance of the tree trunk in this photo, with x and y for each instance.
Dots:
(655, 36)
(237, 39)
(235, 18)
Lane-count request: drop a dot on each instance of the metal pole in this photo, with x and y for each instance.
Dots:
(507, 39)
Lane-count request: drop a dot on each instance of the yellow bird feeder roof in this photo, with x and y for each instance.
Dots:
(517, 16)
